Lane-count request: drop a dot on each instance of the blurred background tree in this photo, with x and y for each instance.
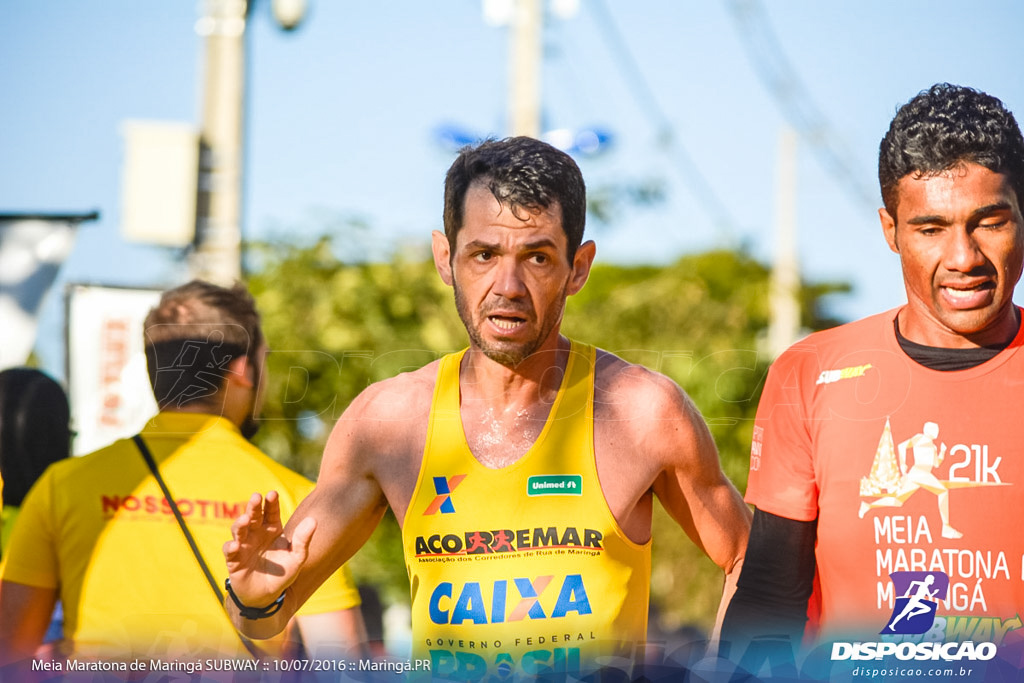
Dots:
(336, 324)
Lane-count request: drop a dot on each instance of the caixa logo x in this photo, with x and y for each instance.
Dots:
(443, 487)
(917, 595)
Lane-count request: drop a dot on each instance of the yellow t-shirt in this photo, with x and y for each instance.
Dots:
(99, 529)
(521, 569)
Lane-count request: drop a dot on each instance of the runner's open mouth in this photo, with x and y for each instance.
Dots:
(506, 322)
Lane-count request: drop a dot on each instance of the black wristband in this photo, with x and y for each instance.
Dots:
(254, 612)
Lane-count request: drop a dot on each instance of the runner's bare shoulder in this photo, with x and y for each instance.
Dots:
(388, 419)
(628, 392)
(405, 396)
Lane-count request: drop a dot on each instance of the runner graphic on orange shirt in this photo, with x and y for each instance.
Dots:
(927, 456)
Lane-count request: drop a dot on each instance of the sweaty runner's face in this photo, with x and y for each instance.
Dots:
(511, 276)
(959, 237)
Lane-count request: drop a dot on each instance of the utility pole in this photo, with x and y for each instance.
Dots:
(218, 242)
(525, 47)
(784, 325)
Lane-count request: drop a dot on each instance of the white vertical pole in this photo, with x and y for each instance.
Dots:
(217, 256)
(784, 327)
(525, 46)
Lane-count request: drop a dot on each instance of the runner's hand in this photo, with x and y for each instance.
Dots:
(261, 562)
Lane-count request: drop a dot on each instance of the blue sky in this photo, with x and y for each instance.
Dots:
(342, 116)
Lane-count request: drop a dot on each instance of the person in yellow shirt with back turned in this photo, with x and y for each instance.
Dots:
(129, 537)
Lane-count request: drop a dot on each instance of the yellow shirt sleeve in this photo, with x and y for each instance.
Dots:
(338, 592)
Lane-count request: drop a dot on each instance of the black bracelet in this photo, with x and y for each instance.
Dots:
(254, 612)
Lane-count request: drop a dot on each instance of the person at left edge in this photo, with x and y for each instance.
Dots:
(34, 433)
(97, 532)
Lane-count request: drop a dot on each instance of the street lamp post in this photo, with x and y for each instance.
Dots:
(218, 243)
(525, 48)
(217, 255)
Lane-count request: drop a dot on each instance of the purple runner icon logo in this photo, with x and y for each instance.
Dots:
(917, 595)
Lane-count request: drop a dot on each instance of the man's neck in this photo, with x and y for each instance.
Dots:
(217, 410)
(534, 378)
(921, 327)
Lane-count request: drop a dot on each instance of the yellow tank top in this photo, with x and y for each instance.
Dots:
(523, 569)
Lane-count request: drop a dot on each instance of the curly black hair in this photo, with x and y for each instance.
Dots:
(943, 127)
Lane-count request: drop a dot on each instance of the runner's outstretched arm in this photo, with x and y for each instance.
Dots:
(266, 561)
(775, 585)
(262, 563)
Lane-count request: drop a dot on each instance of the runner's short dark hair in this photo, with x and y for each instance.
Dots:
(943, 127)
(523, 174)
(192, 335)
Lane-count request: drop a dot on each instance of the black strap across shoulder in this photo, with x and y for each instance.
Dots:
(151, 463)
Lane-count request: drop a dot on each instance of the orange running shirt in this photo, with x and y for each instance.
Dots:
(905, 469)
(523, 569)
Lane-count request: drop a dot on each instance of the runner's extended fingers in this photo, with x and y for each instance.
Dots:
(272, 510)
(240, 527)
(230, 548)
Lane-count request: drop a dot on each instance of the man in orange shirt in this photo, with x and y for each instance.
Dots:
(833, 501)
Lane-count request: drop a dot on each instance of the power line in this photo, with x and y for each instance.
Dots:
(644, 95)
(775, 71)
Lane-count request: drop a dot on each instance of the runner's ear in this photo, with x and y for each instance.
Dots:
(889, 229)
(442, 256)
(239, 372)
(581, 264)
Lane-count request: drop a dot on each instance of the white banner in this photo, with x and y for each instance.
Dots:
(108, 385)
(32, 250)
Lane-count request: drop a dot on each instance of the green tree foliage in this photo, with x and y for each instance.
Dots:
(334, 327)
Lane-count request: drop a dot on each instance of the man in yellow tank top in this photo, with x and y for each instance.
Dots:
(522, 470)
